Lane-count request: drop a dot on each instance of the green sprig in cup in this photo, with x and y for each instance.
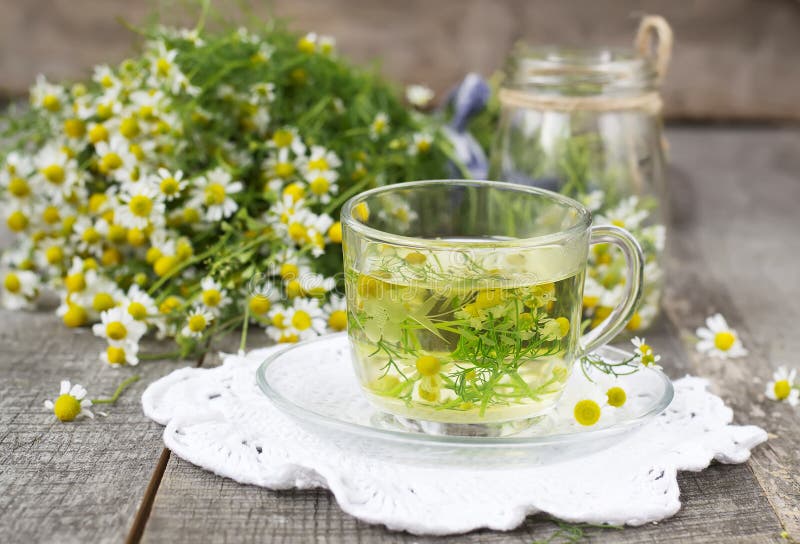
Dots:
(464, 298)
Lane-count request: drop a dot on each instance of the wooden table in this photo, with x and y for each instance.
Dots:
(734, 248)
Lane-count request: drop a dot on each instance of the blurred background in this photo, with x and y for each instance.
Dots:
(733, 60)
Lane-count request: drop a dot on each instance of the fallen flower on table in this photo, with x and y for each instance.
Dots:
(717, 339)
(72, 402)
(784, 386)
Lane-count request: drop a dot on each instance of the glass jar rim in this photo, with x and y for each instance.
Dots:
(581, 225)
(612, 69)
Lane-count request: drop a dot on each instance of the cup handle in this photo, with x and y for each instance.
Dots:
(617, 319)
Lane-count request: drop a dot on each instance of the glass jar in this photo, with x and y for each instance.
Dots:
(587, 124)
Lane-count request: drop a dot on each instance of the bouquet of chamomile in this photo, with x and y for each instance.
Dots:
(194, 189)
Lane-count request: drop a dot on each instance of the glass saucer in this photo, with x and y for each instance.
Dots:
(314, 383)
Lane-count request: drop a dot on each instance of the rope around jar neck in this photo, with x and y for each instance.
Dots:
(653, 30)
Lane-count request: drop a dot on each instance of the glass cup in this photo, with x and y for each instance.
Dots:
(464, 298)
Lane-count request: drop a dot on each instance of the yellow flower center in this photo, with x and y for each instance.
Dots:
(51, 102)
(379, 124)
(129, 128)
(335, 233)
(724, 340)
(289, 271)
(162, 66)
(111, 257)
(284, 169)
(215, 194)
(91, 236)
(282, 138)
(298, 232)
(294, 289)
(117, 233)
(141, 205)
(319, 186)
(635, 323)
(136, 237)
(277, 320)
(782, 389)
(190, 215)
(587, 412)
(50, 215)
(110, 161)
(137, 311)
(211, 297)
(301, 320)
(423, 146)
(19, 187)
(116, 330)
(53, 173)
(616, 396)
(184, 249)
(259, 305)
(305, 45)
(12, 283)
(320, 163)
(75, 283)
(169, 305)
(75, 316)
(66, 407)
(338, 320)
(17, 221)
(295, 191)
(54, 254)
(428, 365)
(106, 81)
(169, 186)
(74, 128)
(98, 133)
(361, 212)
(104, 111)
(164, 264)
(288, 338)
(197, 323)
(102, 302)
(563, 325)
(115, 355)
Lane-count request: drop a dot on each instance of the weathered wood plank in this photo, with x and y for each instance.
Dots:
(76, 482)
(724, 226)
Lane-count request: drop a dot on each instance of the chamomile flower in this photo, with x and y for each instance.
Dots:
(19, 289)
(214, 192)
(316, 285)
(125, 353)
(627, 215)
(379, 126)
(71, 402)
(593, 200)
(321, 160)
(197, 322)
(57, 172)
(139, 304)
(261, 296)
(107, 79)
(100, 294)
(170, 184)
(419, 95)
(278, 328)
(304, 319)
(114, 156)
(336, 313)
(420, 144)
(322, 186)
(48, 96)
(583, 402)
(87, 236)
(287, 138)
(784, 386)
(118, 327)
(717, 339)
(645, 353)
(213, 296)
(141, 205)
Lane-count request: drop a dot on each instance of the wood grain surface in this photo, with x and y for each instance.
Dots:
(734, 247)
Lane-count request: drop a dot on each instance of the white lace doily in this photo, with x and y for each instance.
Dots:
(219, 420)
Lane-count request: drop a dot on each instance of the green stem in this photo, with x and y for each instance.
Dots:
(197, 258)
(160, 356)
(245, 323)
(118, 392)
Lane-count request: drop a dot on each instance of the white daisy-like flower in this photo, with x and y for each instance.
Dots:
(113, 156)
(305, 318)
(20, 289)
(419, 95)
(593, 200)
(141, 205)
(717, 339)
(125, 353)
(48, 96)
(106, 77)
(645, 353)
(280, 168)
(583, 402)
(214, 190)
(170, 184)
(139, 304)
(288, 138)
(57, 172)
(99, 295)
(326, 44)
(336, 313)
(214, 297)
(784, 386)
(398, 213)
(321, 160)
(278, 329)
(87, 236)
(420, 144)
(118, 327)
(379, 126)
(626, 215)
(264, 92)
(71, 402)
(197, 322)
(316, 285)
(323, 185)
(261, 295)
